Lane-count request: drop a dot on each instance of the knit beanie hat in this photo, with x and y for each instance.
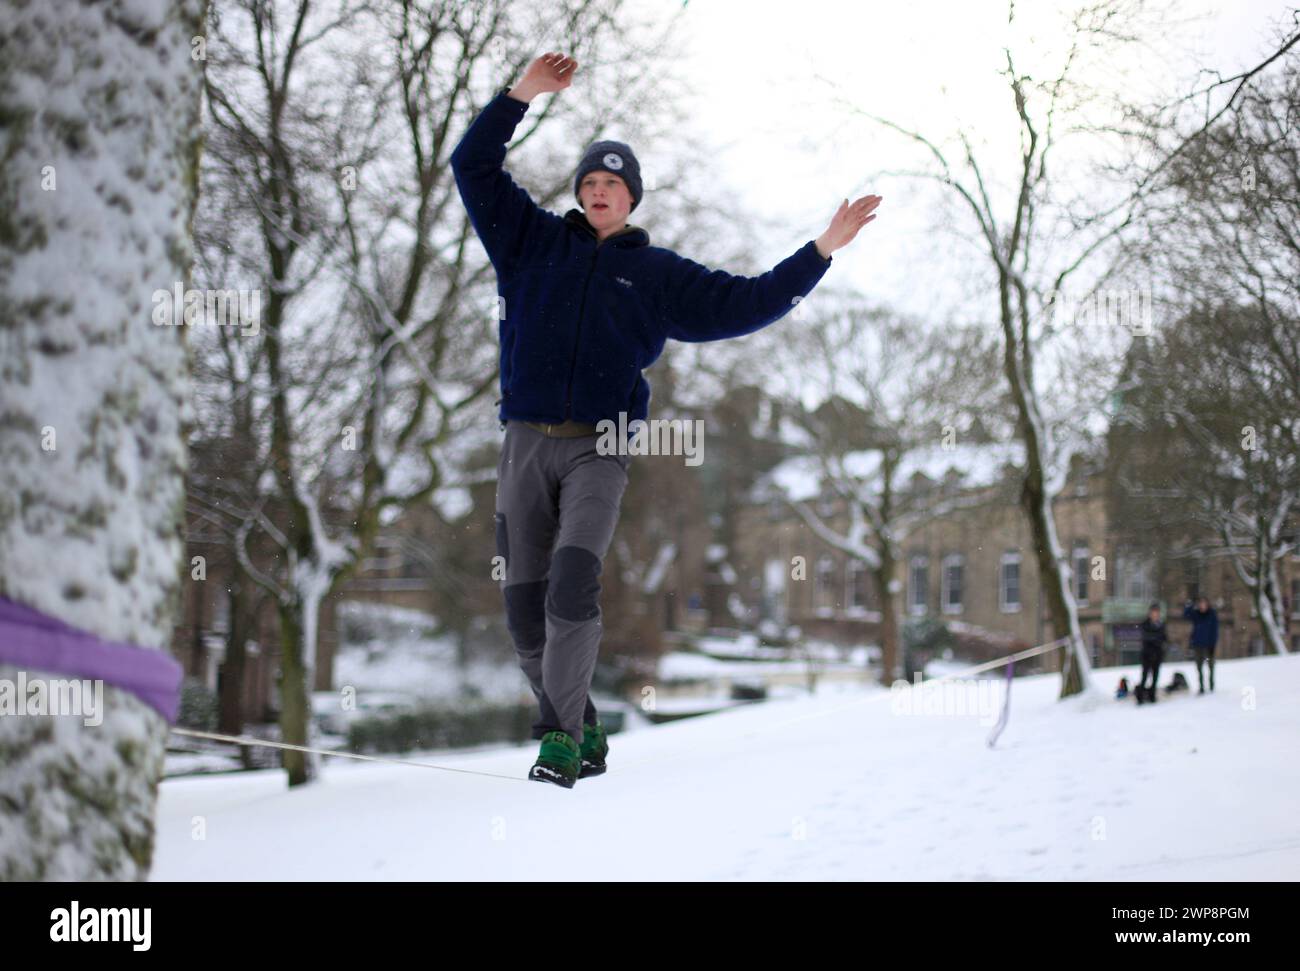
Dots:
(609, 156)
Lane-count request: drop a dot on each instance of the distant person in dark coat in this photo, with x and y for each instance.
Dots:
(1205, 636)
(1154, 638)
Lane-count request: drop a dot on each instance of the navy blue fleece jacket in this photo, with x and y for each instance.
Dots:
(582, 320)
(1205, 626)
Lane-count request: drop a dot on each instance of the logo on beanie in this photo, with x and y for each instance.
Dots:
(613, 161)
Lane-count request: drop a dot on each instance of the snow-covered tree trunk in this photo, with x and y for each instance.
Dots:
(1268, 600)
(295, 694)
(890, 590)
(1039, 489)
(1258, 572)
(100, 143)
(1272, 610)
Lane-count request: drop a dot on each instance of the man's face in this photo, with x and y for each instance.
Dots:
(605, 199)
(1154, 615)
(1203, 605)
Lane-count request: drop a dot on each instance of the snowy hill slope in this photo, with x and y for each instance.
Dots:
(833, 787)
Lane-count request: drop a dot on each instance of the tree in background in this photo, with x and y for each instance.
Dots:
(1218, 391)
(897, 397)
(1212, 452)
(1054, 233)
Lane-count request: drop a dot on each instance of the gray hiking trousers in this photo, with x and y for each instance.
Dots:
(557, 505)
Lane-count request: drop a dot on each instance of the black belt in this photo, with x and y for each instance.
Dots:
(565, 429)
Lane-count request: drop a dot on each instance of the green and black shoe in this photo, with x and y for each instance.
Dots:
(559, 760)
(594, 749)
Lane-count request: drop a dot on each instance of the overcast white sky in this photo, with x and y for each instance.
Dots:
(791, 154)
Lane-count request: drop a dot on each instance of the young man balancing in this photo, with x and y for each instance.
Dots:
(587, 304)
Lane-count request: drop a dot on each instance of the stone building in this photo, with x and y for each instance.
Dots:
(974, 568)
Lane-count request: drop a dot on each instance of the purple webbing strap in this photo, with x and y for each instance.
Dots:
(31, 639)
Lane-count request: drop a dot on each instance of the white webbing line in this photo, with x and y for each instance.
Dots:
(245, 740)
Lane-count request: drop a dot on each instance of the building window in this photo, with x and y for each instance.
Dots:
(774, 590)
(951, 594)
(1009, 583)
(1133, 576)
(824, 593)
(918, 585)
(857, 586)
(221, 614)
(1081, 562)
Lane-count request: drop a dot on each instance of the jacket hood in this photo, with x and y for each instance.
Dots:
(628, 237)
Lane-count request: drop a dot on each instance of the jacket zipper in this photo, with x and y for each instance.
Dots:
(573, 362)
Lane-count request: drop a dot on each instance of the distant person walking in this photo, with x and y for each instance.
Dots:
(1205, 637)
(1154, 639)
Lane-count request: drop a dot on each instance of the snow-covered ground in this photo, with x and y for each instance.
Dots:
(840, 786)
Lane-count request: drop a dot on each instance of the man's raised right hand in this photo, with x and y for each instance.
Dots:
(550, 72)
